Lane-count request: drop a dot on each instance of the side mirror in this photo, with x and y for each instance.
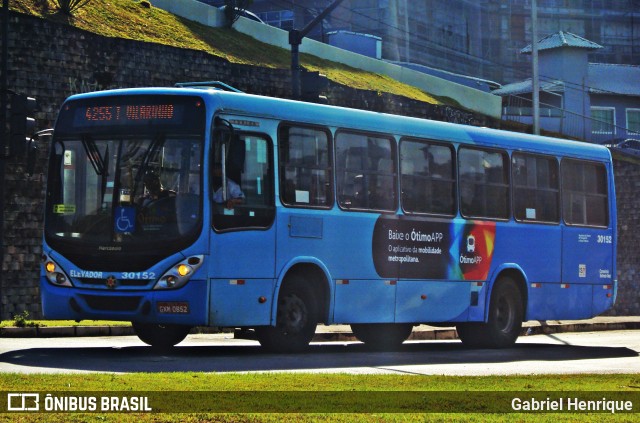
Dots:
(31, 155)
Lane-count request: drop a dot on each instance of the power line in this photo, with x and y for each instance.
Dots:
(426, 43)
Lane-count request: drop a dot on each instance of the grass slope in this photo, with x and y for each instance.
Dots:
(129, 19)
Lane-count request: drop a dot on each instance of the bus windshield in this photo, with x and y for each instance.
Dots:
(116, 189)
(124, 190)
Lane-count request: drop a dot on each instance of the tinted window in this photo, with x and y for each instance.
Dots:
(245, 163)
(484, 183)
(584, 193)
(366, 172)
(536, 188)
(305, 167)
(427, 178)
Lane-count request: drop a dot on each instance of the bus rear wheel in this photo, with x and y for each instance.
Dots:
(506, 312)
(296, 321)
(382, 336)
(160, 336)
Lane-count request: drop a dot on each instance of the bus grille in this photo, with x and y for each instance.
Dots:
(121, 282)
(108, 303)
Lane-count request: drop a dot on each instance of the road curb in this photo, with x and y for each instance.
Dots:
(64, 331)
(324, 333)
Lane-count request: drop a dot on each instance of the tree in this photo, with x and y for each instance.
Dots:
(233, 10)
(67, 7)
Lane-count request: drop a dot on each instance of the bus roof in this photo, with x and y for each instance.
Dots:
(342, 117)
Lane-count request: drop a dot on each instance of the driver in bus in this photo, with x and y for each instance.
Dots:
(153, 189)
(235, 195)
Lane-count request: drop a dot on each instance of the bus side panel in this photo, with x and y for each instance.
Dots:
(529, 245)
(553, 301)
(587, 255)
(341, 241)
(604, 297)
(430, 301)
(243, 254)
(241, 302)
(364, 301)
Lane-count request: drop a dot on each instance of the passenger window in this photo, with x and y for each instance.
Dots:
(305, 167)
(245, 163)
(427, 178)
(366, 172)
(584, 193)
(536, 188)
(484, 183)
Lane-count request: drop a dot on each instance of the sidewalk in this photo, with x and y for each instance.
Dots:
(425, 332)
(343, 332)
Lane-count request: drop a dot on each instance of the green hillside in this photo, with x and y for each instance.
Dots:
(130, 19)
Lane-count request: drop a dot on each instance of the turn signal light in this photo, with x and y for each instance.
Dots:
(184, 270)
(180, 273)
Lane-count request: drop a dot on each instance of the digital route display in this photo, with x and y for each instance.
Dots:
(122, 113)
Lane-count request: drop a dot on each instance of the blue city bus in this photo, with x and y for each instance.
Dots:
(192, 206)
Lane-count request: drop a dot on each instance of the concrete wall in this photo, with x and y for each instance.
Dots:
(627, 174)
(474, 100)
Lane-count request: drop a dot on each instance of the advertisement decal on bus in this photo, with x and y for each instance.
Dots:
(434, 249)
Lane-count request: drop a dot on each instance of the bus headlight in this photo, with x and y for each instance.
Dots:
(54, 273)
(180, 274)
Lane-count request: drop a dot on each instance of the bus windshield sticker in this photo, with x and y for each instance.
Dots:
(262, 152)
(419, 249)
(64, 208)
(125, 219)
(302, 196)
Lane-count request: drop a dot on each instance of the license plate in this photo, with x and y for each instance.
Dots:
(173, 307)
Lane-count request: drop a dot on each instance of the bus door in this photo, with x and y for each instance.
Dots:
(242, 269)
(587, 253)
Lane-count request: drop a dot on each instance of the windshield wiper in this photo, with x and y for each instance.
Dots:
(100, 164)
(93, 154)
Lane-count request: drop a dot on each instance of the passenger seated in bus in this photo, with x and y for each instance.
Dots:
(153, 189)
(235, 195)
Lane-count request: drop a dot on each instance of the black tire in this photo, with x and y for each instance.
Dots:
(160, 336)
(506, 312)
(296, 321)
(382, 336)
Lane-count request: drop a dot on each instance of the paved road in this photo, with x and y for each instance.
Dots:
(559, 353)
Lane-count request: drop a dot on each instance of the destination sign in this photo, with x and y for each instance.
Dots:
(105, 113)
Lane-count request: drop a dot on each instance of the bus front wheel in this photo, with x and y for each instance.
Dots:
(506, 312)
(382, 336)
(296, 321)
(160, 336)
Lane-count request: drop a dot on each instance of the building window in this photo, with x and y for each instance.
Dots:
(603, 120)
(282, 19)
(633, 121)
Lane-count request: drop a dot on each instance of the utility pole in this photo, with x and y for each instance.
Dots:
(295, 39)
(534, 64)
